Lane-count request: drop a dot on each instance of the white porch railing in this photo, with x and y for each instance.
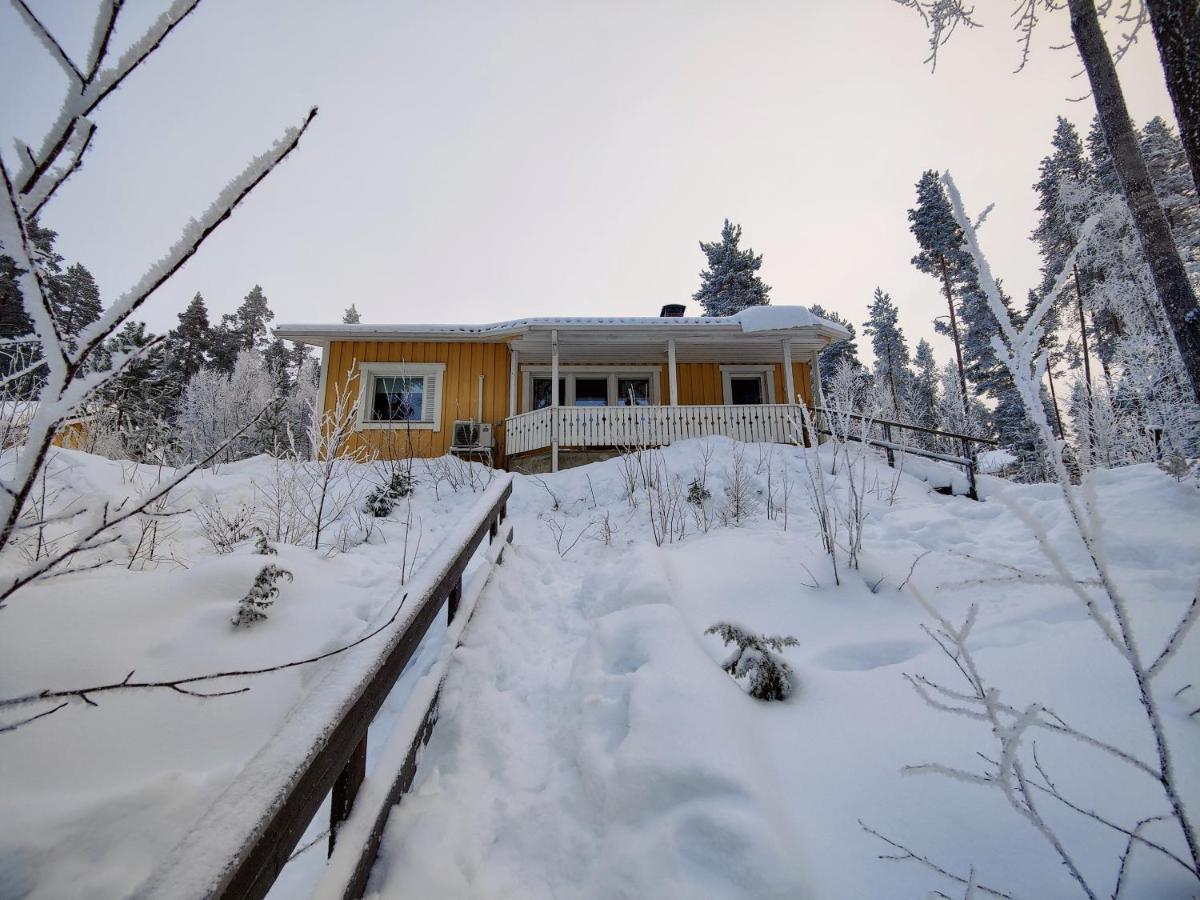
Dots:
(647, 426)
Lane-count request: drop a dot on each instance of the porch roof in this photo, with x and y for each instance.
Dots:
(758, 324)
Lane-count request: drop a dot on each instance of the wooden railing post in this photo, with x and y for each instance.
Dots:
(887, 436)
(345, 789)
(452, 601)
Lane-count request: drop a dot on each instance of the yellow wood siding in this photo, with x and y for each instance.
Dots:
(465, 362)
(699, 384)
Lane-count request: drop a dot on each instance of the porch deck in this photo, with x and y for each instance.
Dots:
(648, 426)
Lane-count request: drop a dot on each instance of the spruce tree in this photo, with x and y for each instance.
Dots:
(731, 282)
(1172, 178)
(190, 342)
(351, 316)
(76, 301)
(892, 356)
(250, 320)
(925, 388)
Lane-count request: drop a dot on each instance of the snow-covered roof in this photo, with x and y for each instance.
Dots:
(753, 319)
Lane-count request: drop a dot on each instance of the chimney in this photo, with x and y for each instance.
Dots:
(672, 311)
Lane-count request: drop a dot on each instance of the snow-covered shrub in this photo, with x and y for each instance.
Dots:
(1179, 466)
(740, 501)
(216, 406)
(224, 530)
(261, 596)
(754, 659)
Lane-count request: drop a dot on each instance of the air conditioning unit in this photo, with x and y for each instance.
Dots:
(471, 435)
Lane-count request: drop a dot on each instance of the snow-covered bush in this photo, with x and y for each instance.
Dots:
(697, 492)
(224, 530)
(261, 596)
(755, 660)
(740, 498)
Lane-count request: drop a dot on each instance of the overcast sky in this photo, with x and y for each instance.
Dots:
(478, 161)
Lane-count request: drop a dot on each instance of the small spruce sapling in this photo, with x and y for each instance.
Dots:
(770, 677)
(261, 596)
(697, 492)
(261, 547)
(382, 499)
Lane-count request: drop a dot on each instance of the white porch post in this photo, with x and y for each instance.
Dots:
(513, 370)
(672, 375)
(554, 401)
(789, 385)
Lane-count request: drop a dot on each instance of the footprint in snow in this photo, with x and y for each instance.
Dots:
(873, 655)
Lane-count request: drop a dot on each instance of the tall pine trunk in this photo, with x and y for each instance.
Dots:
(1170, 279)
(1176, 25)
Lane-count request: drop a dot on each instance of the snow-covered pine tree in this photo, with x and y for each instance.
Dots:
(351, 316)
(731, 282)
(261, 596)
(892, 358)
(833, 355)
(135, 402)
(1172, 178)
(926, 392)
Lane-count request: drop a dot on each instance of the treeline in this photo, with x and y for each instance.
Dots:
(1115, 387)
(176, 397)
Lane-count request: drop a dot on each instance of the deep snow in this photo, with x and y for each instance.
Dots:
(589, 744)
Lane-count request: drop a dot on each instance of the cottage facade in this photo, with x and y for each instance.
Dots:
(556, 391)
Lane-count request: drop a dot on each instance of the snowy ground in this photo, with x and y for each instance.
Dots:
(589, 744)
(91, 798)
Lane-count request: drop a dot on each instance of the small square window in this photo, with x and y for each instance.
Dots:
(633, 392)
(745, 390)
(398, 398)
(542, 392)
(591, 391)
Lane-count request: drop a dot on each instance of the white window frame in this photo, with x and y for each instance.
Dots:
(568, 373)
(435, 377)
(765, 373)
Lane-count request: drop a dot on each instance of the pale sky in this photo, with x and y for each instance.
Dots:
(480, 161)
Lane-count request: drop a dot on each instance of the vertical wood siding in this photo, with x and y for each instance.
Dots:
(699, 385)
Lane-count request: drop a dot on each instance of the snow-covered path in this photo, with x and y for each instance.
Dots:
(590, 746)
(578, 753)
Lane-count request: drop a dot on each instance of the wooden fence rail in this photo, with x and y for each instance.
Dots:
(967, 460)
(239, 847)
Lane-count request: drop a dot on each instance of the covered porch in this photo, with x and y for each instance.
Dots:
(579, 390)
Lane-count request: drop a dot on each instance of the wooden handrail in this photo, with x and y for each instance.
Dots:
(905, 425)
(239, 847)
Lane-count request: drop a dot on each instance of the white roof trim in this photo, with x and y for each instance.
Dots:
(779, 319)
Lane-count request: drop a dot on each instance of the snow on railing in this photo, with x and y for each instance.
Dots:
(240, 845)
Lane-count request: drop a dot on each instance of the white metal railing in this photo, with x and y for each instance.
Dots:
(649, 426)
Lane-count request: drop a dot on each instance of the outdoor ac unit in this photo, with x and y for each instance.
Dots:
(470, 435)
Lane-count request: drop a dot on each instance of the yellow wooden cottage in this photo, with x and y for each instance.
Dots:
(537, 394)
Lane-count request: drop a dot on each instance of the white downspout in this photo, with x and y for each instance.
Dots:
(554, 401)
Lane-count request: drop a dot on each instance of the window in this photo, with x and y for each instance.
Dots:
(542, 392)
(591, 391)
(748, 385)
(407, 394)
(592, 386)
(398, 398)
(633, 392)
(745, 389)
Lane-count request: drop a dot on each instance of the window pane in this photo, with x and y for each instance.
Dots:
(743, 390)
(591, 391)
(398, 398)
(541, 392)
(633, 391)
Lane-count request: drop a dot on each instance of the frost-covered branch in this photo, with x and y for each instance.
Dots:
(179, 685)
